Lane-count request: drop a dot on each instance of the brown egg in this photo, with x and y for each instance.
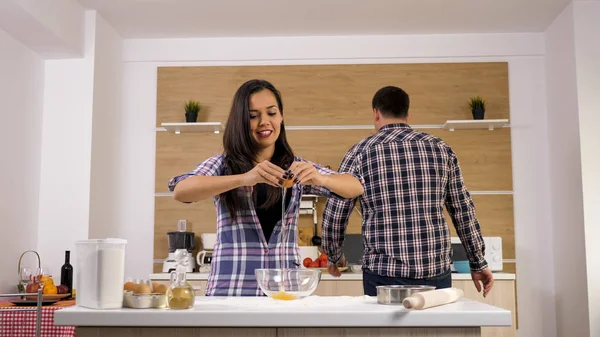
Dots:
(160, 289)
(130, 286)
(288, 183)
(142, 288)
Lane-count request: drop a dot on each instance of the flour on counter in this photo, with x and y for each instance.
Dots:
(311, 301)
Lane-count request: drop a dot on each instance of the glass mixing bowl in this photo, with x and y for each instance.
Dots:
(288, 284)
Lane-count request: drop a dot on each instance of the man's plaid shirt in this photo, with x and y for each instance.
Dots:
(409, 176)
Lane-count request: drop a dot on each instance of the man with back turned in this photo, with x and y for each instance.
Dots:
(409, 176)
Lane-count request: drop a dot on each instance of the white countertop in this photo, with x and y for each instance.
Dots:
(346, 276)
(318, 311)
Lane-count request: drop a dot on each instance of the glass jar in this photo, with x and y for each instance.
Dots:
(180, 294)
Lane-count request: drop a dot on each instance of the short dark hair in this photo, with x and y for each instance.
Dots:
(391, 102)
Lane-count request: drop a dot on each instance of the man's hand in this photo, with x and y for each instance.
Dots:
(485, 276)
(333, 268)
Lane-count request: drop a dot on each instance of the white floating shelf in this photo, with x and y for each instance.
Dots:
(177, 128)
(451, 125)
(489, 124)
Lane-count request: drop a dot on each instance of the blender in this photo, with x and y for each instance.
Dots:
(181, 239)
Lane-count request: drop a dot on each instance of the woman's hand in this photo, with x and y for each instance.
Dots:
(344, 184)
(265, 172)
(306, 174)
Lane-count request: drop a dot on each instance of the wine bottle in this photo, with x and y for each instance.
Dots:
(66, 273)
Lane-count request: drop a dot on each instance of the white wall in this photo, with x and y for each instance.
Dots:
(524, 52)
(533, 222)
(136, 179)
(573, 82)
(53, 29)
(586, 16)
(21, 94)
(316, 49)
(105, 199)
(66, 153)
(79, 195)
(565, 175)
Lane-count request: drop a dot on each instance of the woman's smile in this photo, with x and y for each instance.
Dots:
(265, 133)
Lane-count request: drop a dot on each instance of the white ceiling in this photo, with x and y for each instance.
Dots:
(227, 18)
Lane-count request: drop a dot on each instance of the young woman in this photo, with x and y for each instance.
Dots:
(246, 183)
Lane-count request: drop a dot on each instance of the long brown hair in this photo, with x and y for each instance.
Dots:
(241, 148)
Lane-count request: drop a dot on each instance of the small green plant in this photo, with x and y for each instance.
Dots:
(191, 111)
(477, 105)
(192, 106)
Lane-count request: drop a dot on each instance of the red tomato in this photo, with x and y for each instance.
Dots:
(306, 261)
(314, 264)
(323, 263)
(323, 257)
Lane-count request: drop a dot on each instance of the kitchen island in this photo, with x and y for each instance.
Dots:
(350, 284)
(354, 316)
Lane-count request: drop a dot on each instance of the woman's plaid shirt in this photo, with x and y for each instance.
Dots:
(409, 176)
(241, 246)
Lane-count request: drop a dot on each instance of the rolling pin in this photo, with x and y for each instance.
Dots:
(433, 298)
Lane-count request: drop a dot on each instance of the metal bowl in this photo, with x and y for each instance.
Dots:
(144, 301)
(395, 294)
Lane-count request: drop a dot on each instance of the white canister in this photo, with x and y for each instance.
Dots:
(99, 271)
(208, 240)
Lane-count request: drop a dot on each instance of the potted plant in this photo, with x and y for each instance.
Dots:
(477, 105)
(191, 111)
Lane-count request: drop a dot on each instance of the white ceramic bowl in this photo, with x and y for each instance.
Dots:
(288, 284)
(356, 268)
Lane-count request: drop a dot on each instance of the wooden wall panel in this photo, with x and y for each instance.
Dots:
(201, 218)
(354, 225)
(178, 154)
(339, 94)
(496, 218)
(326, 148)
(484, 156)
(509, 267)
